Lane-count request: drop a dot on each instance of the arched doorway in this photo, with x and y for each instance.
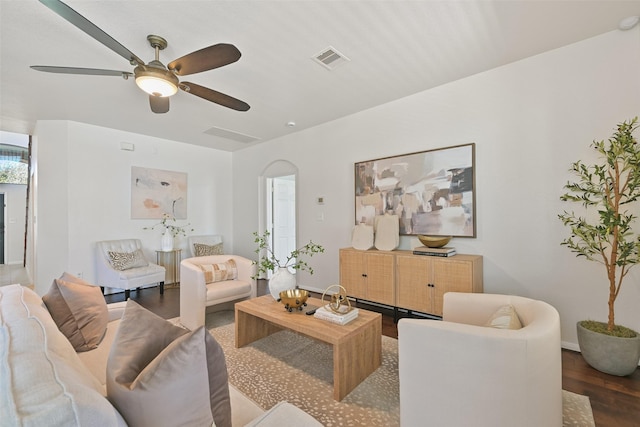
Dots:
(278, 208)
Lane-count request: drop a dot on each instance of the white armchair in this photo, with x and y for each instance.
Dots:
(139, 273)
(196, 295)
(457, 372)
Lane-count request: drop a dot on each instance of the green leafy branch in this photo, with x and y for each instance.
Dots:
(267, 261)
(174, 229)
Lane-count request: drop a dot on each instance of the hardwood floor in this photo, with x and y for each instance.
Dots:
(14, 273)
(615, 400)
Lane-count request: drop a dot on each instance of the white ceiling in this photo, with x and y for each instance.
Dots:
(396, 48)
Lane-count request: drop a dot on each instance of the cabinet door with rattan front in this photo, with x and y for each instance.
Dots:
(380, 277)
(453, 274)
(353, 272)
(413, 283)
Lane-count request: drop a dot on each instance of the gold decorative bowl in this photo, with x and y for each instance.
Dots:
(434, 241)
(294, 299)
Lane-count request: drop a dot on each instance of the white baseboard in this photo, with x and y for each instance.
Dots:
(570, 346)
(309, 288)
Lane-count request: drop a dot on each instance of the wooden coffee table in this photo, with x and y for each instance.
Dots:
(357, 346)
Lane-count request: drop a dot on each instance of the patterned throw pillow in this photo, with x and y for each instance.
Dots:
(219, 272)
(200, 249)
(126, 260)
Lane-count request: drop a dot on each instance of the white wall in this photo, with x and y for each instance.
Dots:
(84, 194)
(530, 120)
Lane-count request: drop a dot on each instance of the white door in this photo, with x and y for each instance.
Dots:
(283, 214)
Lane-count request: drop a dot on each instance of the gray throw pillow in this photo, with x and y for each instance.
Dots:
(79, 310)
(161, 374)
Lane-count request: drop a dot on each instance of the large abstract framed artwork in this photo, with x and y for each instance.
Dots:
(156, 192)
(432, 192)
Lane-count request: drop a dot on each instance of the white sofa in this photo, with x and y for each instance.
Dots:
(43, 381)
(458, 372)
(196, 295)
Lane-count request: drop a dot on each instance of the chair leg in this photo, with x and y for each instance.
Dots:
(127, 292)
(161, 288)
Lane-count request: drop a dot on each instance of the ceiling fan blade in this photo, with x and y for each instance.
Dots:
(214, 96)
(87, 71)
(205, 59)
(90, 28)
(159, 104)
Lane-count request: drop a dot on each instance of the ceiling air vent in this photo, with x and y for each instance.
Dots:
(230, 134)
(330, 58)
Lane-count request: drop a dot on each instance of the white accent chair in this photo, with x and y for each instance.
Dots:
(196, 295)
(209, 239)
(457, 372)
(132, 278)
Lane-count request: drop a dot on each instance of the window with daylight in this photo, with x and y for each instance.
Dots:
(14, 164)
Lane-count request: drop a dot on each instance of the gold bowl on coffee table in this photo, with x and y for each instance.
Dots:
(294, 299)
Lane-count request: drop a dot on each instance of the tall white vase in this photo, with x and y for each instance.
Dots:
(281, 280)
(166, 243)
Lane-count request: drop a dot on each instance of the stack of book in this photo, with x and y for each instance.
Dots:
(425, 250)
(327, 314)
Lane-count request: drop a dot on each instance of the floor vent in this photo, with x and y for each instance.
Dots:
(330, 58)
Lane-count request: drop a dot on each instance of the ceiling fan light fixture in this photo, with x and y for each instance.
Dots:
(156, 81)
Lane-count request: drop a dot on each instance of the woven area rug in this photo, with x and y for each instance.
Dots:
(291, 367)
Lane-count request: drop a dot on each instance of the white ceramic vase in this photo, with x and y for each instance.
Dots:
(166, 243)
(281, 280)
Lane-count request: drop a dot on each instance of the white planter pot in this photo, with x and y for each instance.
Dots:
(281, 280)
(166, 243)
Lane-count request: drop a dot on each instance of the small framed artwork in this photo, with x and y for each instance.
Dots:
(432, 192)
(155, 192)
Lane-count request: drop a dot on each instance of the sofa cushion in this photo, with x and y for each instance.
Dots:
(200, 249)
(161, 374)
(220, 272)
(42, 380)
(96, 360)
(504, 317)
(126, 260)
(282, 414)
(79, 309)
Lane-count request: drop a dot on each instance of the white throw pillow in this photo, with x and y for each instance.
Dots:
(504, 317)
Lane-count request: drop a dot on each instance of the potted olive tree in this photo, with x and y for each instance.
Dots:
(282, 279)
(609, 191)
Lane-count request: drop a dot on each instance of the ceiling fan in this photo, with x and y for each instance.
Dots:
(158, 81)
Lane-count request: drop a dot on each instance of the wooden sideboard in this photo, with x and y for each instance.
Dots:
(402, 280)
